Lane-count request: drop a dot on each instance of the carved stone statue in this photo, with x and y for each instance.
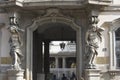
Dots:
(15, 45)
(93, 37)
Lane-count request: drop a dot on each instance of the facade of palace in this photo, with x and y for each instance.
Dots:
(27, 28)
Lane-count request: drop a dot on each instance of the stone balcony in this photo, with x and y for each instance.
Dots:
(31, 3)
(99, 2)
(60, 71)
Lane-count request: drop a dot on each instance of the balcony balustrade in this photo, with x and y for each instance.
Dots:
(57, 2)
(59, 72)
(100, 2)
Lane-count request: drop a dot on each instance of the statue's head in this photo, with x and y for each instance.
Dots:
(94, 27)
(13, 29)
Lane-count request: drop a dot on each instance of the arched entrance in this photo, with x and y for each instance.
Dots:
(39, 22)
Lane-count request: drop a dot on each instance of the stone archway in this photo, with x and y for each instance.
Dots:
(52, 16)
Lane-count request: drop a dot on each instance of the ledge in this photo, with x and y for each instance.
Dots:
(74, 3)
(99, 2)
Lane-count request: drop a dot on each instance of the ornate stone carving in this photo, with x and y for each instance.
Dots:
(15, 44)
(113, 73)
(93, 37)
(53, 14)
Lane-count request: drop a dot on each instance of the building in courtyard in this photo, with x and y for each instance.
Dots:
(28, 29)
(63, 61)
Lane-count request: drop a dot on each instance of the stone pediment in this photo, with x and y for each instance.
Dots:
(53, 14)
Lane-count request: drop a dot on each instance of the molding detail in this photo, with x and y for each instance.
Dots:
(114, 25)
(51, 16)
(54, 15)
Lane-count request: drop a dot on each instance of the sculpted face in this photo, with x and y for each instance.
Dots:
(93, 28)
(12, 29)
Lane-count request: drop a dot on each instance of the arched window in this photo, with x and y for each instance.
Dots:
(0, 40)
(0, 45)
(114, 39)
(117, 47)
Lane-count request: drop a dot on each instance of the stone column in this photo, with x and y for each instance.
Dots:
(112, 50)
(63, 62)
(16, 72)
(93, 39)
(46, 59)
(56, 62)
(37, 57)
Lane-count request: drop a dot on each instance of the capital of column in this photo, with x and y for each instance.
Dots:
(93, 20)
(93, 17)
(14, 17)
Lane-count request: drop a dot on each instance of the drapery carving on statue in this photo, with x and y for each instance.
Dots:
(93, 39)
(15, 45)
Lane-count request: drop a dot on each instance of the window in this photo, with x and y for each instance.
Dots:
(117, 47)
(114, 39)
(0, 40)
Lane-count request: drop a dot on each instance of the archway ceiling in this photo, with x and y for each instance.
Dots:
(56, 31)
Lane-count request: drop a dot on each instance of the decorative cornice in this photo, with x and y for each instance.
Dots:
(98, 2)
(53, 14)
